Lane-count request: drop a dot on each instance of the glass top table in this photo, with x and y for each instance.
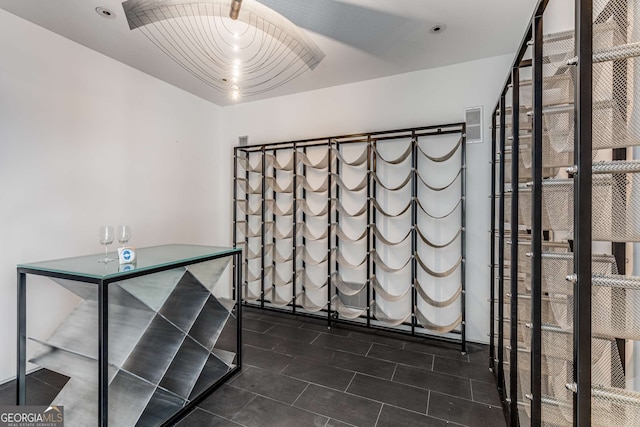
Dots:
(147, 259)
(147, 341)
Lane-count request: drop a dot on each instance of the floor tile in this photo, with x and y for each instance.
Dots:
(375, 337)
(7, 394)
(267, 342)
(312, 371)
(406, 357)
(294, 334)
(397, 417)
(38, 393)
(342, 343)
(226, 401)
(464, 411)
(478, 353)
(322, 327)
(474, 371)
(437, 349)
(365, 365)
(263, 412)
(336, 423)
(338, 405)
(201, 418)
(485, 392)
(54, 379)
(404, 396)
(294, 348)
(436, 381)
(282, 319)
(256, 325)
(269, 384)
(265, 359)
(250, 312)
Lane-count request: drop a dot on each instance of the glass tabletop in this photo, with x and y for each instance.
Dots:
(146, 259)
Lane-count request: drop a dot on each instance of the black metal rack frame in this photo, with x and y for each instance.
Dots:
(581, 246)
(411, 326)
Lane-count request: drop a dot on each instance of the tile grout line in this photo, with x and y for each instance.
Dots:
(388, 404)
(349, 385)
(471, 388)
(428, 401)
(301, 393)
(379, 413)
(369, 351)
(394, 372)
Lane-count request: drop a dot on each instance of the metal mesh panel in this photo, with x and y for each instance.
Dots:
(551, 159)
(611, 93)
(524, 207)
(507, 209)
(616, 214)
(557, 266)
(524, 172)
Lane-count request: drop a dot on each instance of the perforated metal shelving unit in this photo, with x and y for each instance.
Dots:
(563, 313)
(365, 229)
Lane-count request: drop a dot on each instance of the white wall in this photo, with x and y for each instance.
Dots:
(426, 97)
(85, 141)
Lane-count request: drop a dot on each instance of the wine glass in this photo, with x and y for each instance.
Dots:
(105, 237)
(124, 234)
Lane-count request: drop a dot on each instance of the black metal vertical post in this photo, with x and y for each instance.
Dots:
(304, 222)
(235, 214)
(329, 220)
(274, 226)
(463, 243)
(370, 224)
(373, 195)
(237, 263)
(501, 213)
(245, 259)
(536, 228)
(337, 219)
(294, 201)
(414, 224)
(515, 157)
(262, 225)
(583, 213)
(21, 390)
(492, 265)
(103, 353)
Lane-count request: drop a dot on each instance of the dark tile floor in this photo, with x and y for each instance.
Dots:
(298, 373)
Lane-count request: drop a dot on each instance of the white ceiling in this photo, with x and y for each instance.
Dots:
(390, 37)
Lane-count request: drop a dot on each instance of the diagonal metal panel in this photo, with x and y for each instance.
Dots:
(78, 332)
(86, 291)
(213, 369)
(155, 350)
(153, 289)
(209, 272)
(185, 368)
(185, 302)
(209, 324)
(161, 406)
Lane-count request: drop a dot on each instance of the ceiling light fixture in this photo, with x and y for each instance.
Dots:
(104, 12)
(234, 11)
(262, 46)
(437, 29)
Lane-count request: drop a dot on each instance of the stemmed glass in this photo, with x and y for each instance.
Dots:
(105, 237)
(124, 234)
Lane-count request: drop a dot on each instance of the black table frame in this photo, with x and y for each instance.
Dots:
(103, 319)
